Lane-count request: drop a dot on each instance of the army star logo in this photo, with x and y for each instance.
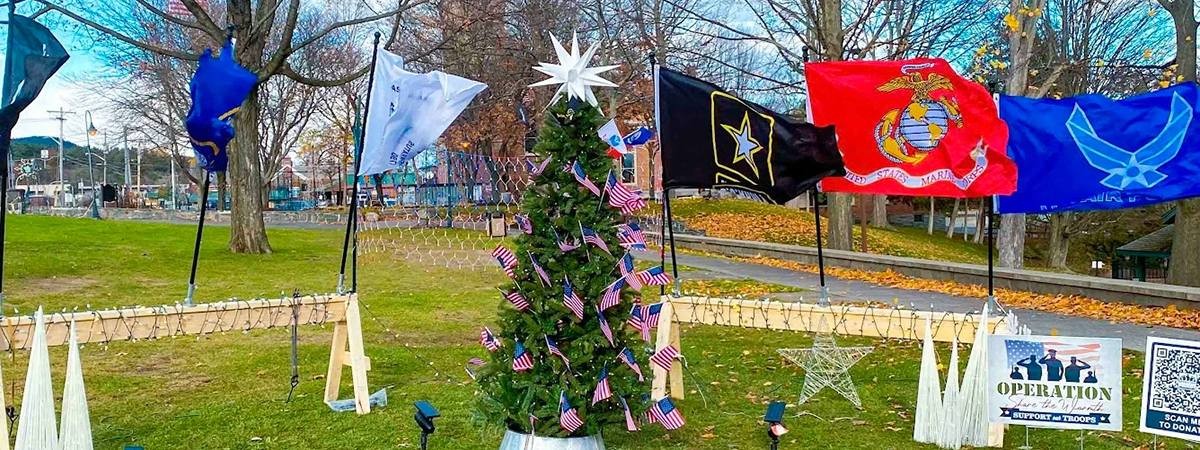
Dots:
(746, 144)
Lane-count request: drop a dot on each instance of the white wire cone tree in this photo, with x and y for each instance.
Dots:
(36, 428)
(76, 432)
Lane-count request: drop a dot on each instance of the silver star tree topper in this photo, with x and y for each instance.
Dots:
(572, 73)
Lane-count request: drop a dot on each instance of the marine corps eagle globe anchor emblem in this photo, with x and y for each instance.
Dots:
(907, 135)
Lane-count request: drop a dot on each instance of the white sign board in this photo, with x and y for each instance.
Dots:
(1055, 382)
(1171, 388)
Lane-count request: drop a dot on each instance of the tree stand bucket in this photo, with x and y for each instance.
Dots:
(520, 441)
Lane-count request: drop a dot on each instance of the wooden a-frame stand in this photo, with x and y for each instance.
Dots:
(349, 331)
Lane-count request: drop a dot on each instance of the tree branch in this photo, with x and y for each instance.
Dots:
(121, 36)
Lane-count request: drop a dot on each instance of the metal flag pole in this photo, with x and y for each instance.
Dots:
(5, 140)
(352, 220)
(662, 234)
(992, 304)
(823, 300)
(668, 223)
(191, 292)
(671, 233)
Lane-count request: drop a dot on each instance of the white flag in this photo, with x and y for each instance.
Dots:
(611, 135)
(409, 111)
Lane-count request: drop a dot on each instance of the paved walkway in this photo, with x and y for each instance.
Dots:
(1133, 335)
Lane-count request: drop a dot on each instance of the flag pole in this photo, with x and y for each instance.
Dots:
(823, 300)
(191, 292)
(5, 141)
(668, 223)
(671, 233)
(992, 305)
(352, 219)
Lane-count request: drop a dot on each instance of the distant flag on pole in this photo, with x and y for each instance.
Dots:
(626, 356)
(603, 390)
(576, 169)
(604, 327)
(218, 89)
(522, 361)
(612, 295)
(507, 260)
(664, 357)
(639, 136)
(489, 340)
(523, 223)
(590, 236)
(518, 301)
(630, 424)
(571, 299)
(629, 272)
(568, 417)
(654, 276)
(554, 350)
(540, 271)
(409, 112)
(665, 412)
(611, 135)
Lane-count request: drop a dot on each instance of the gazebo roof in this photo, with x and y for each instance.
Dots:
(1157, 243)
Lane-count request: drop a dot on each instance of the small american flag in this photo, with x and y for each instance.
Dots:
(554, 350)
(619, 196)
(603, 390)
(522, 361)
(540, 271)
(178, 9)
(644, 318)
(629, 271)
(631, 237)
(630, 424)
(472, 366)
(778, 429)
(604, 328)
(568, 417)
(626, 356)
(573, 302)
(537, 169)
(506, 258)
(591, 237)
(664, 412)
(523, 223)
(612, 294)
(518, 301)
(665, 357)
(654, 276)
(489, 340)
(576, 169)
(565, 245)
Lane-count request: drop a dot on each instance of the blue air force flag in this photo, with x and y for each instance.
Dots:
(218, 89)
(409, 111)
(1091, 152)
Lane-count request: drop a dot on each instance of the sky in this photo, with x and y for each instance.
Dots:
(62, 93)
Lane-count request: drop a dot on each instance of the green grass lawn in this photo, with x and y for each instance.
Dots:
(421, 325)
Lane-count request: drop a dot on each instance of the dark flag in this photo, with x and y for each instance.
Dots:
(33, 56)
(218, 88)
(713, 139)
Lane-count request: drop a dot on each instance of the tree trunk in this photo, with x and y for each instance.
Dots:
(1059, 240)
(247, 233)
(222, 191)
(841, 217)
(932, 211)
(1011, 240)
(378, 180)
(1184, 268)
(980, 224)
(879, 216)
(953, 219)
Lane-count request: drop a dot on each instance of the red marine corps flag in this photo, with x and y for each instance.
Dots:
(911, 127)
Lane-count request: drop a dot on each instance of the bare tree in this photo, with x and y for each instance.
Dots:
(1185, 247)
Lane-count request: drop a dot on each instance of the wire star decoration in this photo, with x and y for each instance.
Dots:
(572, 73)
(827, 365)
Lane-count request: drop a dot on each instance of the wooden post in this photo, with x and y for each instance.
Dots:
(349, 331)
(668, 334)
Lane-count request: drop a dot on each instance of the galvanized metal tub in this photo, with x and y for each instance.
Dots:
(519, 441)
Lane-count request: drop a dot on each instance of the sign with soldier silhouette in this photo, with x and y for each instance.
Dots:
(1055, 382)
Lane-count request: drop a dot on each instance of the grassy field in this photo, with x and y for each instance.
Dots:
(228, 390)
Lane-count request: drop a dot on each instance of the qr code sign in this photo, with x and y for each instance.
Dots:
(1175, 381)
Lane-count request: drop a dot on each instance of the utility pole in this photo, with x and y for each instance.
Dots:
(138, 184)
(174, 205)
(128, 174)
(62, 186)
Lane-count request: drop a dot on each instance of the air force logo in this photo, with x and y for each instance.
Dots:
(1137, 169)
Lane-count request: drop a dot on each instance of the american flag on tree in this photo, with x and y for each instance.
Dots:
(591, 237)
(665, 412)
(518, 301)
(522, 360)
(537, 169)
(568, 417)
(576, 170)
(626, 356)
(664, 357)
(612, 294)
(621, 197)
(630, 424)
(565, 245)
(644, 318)
(629, 271)
(630, 236)
(554, 350)
(572, 300)
(507, 260)
(603, 390)
(537, 268)
(654, 276)
(523, 223)
(604, 328)
(489, 340)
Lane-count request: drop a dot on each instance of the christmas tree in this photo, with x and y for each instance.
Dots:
(548, 348)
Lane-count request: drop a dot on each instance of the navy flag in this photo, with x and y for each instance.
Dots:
(33, 56)
(218, 89)
(1092, 152)
(713, 139)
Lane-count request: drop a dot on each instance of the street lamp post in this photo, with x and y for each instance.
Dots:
(91, 131)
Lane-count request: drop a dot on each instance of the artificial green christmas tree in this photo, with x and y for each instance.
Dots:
(559, 208)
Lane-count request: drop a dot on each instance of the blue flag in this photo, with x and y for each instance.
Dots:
(218, 88)
(33, 55)
(1091, 152)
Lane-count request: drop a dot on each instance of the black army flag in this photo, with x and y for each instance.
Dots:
(33, 55)
(713, 139)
